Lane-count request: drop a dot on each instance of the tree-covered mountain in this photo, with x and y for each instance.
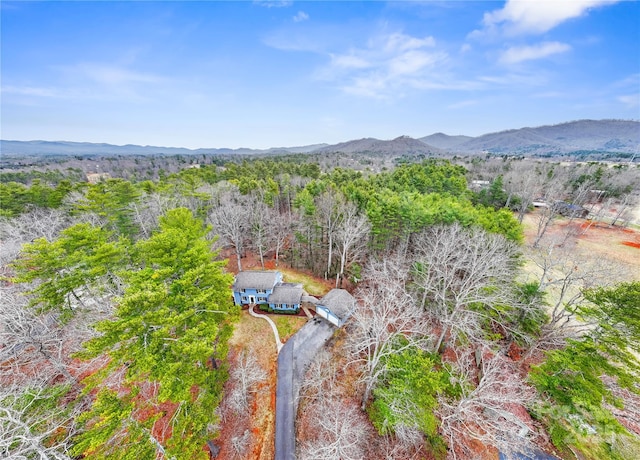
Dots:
(577, 138)
(574, 136)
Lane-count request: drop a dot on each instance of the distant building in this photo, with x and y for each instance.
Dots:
(480, 184)
(94, 178)
(570, 210)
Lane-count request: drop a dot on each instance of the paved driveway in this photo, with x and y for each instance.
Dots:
(293, 361)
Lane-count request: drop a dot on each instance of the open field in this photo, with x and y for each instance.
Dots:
(594, 241)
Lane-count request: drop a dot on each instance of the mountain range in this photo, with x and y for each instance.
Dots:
(571, 138)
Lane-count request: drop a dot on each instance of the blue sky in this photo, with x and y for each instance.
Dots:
(278, 73)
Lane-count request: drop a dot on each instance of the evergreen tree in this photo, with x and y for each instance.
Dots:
(170, 329)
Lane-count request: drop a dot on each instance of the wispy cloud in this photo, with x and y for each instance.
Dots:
(273, 3)
(108, 74)
(91, 81)
(630, 100)
(32, 91)
(517, 54)
(301, 16)
(536, 17)
(518, 80)
(350, 61)
(387, 64)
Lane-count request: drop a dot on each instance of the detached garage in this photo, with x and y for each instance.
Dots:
(336, 306)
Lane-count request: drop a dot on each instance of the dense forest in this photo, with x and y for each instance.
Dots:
(117, 309)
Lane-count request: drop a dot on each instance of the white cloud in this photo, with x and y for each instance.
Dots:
(373, 86)
(301, 16)
(630, 100)
(350, 61)
(398, 42)
(517, 54)
(387, 64)
(412, 62)
(111, 74)
(273, 3)
(535, 16)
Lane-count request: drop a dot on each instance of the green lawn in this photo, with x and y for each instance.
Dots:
(312, 285)
(288, 325)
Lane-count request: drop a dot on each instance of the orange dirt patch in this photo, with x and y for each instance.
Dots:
(594, 239)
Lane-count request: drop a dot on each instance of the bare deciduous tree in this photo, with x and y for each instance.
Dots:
(319, 378)
(239, 444)
(328, 211)
(149, 208)
(34, 362)
(340, 433)
(281, 230)
(261, 217)
(30, 427)
(38, 223)
(485, 412)
(245, 376)
(563, 274)
(386, 321)
(464, 275)
(351, 236)
(624, 206)
(526, 184)
(230, 219)
(36, 347)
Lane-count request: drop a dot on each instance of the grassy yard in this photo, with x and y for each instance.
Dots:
(314, 286)
(288, 325)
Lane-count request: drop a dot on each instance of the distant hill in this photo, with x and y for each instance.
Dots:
(29, 148)
(403, 145)
(300, 149)
(444, 141)
(84, 148)
(580, 138)
(621, 136)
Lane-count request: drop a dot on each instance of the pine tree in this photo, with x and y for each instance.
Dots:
(170, 328)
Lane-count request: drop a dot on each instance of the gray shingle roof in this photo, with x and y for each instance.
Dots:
(339, 301)
(255, 280)
(288, 293)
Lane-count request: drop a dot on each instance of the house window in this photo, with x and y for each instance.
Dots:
(244, 298)
(261, 291)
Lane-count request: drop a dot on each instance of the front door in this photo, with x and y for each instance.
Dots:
(252, 299)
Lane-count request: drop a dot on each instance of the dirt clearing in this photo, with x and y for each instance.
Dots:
(593, 240)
